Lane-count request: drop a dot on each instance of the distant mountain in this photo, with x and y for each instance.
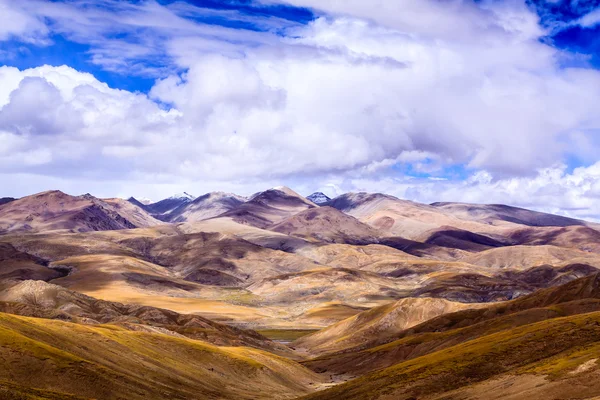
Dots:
(205, 207)
(319, 198)
(137, 203)
(494, 213)
(161, 208)
(269, 207)
(5, 200)
(55, 210)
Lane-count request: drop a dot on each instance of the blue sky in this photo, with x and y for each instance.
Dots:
(434, 100)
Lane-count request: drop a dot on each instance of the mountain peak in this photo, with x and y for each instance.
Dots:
(319, 198)
(183, 196)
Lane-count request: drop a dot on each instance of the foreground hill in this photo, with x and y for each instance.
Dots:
(55, 210)
(455, 351)
(577, 297)
(562, 349)
(112, 362)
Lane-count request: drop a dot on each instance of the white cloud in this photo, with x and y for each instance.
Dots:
(591, 19)
(329, 106)
(16, 22)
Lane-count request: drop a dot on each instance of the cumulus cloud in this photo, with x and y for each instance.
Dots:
(337, 104)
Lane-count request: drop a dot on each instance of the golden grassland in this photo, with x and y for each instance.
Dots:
(111, 362)
(553, 347)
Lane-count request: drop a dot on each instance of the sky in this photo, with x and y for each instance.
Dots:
(481, 101)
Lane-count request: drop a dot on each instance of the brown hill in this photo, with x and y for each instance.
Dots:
(16, 265)
(460, 239)
(51, 211)
(379, 323)
(326, 224)
(576, 237)
(524, 257)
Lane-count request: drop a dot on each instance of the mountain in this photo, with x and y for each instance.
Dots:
(161, 208)
(319, 198)
(205, 207)
(495, 213)
(138, 203)
(326, 224)
(405, 218)
(55, 210)
(366, 296)
(269, 207)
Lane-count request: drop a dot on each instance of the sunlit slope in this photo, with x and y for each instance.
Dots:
(378, 323)
(554, 349)
(110, 362)
(447, 330)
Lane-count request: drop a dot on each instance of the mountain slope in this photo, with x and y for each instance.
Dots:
(577, 297)
(44, 300)
(326, 224)
(558, 346)
(384, 322)
(111, 362)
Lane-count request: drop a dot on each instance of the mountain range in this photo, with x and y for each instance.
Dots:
(281, 296)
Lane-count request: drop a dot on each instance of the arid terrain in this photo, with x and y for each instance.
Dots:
(281, 296)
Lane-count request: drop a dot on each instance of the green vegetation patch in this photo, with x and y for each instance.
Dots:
(286, 334)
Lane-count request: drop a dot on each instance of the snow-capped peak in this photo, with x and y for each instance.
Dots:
(183, 196)
(318, 198)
